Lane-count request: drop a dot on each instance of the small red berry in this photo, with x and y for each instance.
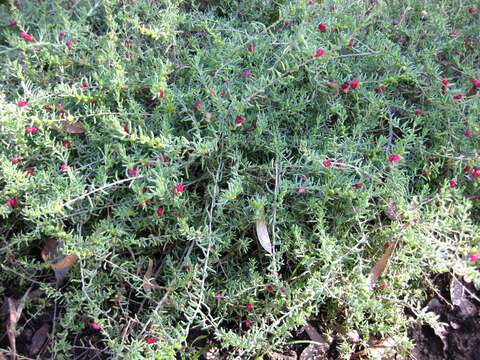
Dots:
(249, 307)
(472, 257)
(418, 112)
(12, 202)
(31, 129)
(319, 52)
(354, 84)
(475, 173)
(94, 326)
(475, 83)
(247, 324)
(239, 120)
(161, 93)
(178, 189)
(197, 105)
(394, 158)
(326, 163)
(344, 87)
(159, 211)
(29, 171)
(472, 10)
(22, 103)
(322, 27)
(457, 97)
(150, 340)
(452, 184)
(63, 167)
(26, 37)
(132, 172)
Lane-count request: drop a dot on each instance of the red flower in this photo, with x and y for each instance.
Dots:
(472, 257)
(197, 105)
(468, 133)
(472, 10)
(239, 120)
(457, 97)
(159, 211)
(94, 326)
(475, 83)
(161, 94)
(84, 84)
(217, 296)
(452, 184)
(29, 171)
(319, 52)
(249, 307)
(394, 158)
(301, 191)
(250, 48)
(12, 202)
(22, 103)
(344, 87)
(63, 167)
(26, 37)
(31, 129)
(350, 43)
(150, 340)
(475, 172)
(354, 84)
(68, 44)
(15, 160)
(326, 163)
(322, 27)
(177, 189)
(132, 172)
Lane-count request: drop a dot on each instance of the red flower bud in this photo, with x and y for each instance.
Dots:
(22, 103)
(326, 163)
(354, 84)
(132, 172)
(249, 307)
(452, 184)
(239, 120)
(319, 52)
(159, 211)
(394, 158)
(12, 202)
(472, 10)
(26, 37)
(322, 27)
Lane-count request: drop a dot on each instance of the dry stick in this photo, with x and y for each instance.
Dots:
(274, 230)
(209, 248)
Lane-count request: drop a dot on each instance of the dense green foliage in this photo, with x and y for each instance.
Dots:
(229, 100)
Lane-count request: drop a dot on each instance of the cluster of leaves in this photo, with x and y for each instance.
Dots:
(164, 132)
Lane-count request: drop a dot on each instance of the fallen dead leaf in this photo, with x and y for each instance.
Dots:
(148, 283)
(459, 298)
(317, 350)
(39, 339)
(58, 262)
(74, 127)
(380, 266)
(263, 237)
(15, 308)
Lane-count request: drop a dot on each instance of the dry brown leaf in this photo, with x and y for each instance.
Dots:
(315, 351)
(380, 266)
(459, 298)
(15, 309)
(74, 128)
(39, 339)
(59, 263)
(148, 284)
(263, 237)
